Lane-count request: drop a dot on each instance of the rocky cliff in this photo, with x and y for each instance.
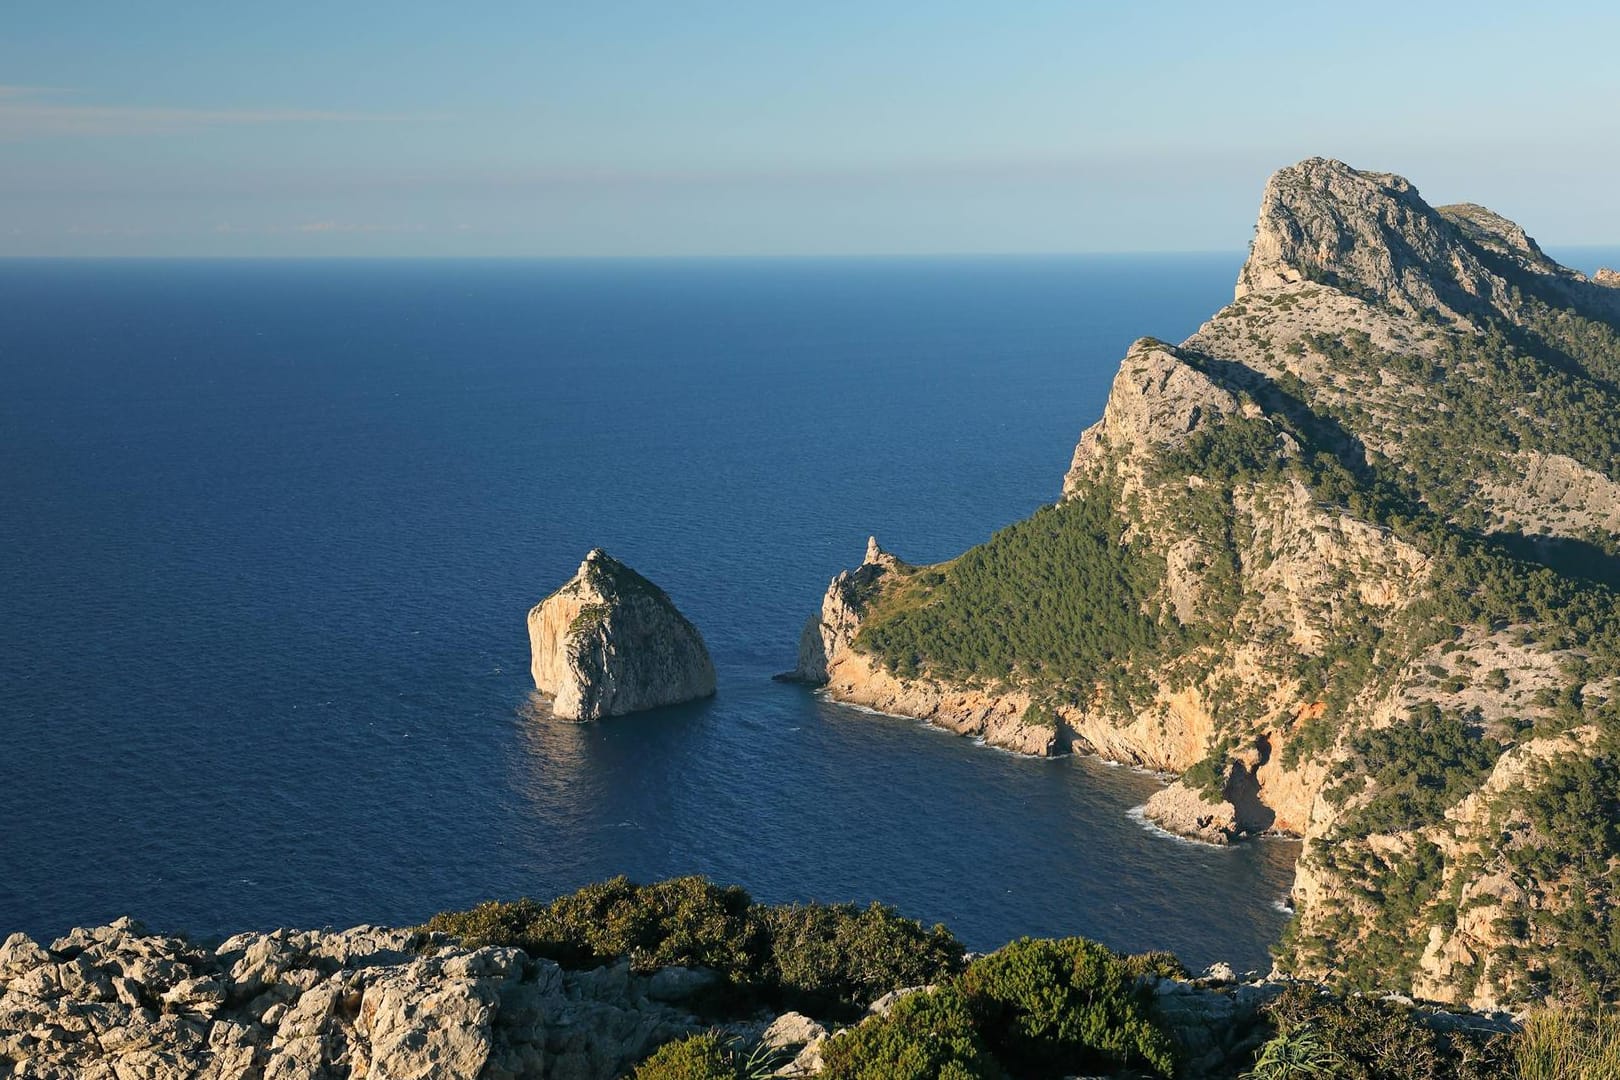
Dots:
(1343, 559)
(610, 642)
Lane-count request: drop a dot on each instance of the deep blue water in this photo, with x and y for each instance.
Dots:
(270, 531)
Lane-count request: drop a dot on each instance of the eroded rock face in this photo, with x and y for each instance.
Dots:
(610, 642)
(1158, 399)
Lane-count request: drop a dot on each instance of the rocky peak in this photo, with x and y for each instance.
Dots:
(1371, 234)
(1608, 277)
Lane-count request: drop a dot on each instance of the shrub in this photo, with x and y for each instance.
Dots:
(710, 1056)
(928, 1035)
(1298, 1055)
(1375, 1039)
(494, 922)
(686, 921)
(1050, 1007)
(822, 955)
(1159, 963)
(832, 959)
(696, 1057)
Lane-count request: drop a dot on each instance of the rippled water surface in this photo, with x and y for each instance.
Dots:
(271, 530)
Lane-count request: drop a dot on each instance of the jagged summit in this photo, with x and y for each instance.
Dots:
(1369, 233)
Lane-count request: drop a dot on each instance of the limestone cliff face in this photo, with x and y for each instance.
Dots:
(610, 642)
(1357, 488)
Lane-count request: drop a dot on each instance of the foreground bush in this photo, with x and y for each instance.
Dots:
(698, 1057)
(710, 1056)
(928, 1035)
(830, 959)
(686, 921)
(822, 956)
(1050, 1007)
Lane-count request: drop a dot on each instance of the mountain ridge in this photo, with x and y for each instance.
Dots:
(1342, 559)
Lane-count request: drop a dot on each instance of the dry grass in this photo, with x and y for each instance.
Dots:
(1563, 1045)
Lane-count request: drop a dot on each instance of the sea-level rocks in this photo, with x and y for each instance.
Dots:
(610, 642)
(1338, 557)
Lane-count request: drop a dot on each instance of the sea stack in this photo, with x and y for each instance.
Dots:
(610, 642)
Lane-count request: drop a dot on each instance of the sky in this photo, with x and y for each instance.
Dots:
(620, 127)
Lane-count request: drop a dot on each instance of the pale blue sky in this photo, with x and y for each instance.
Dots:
(656, 128)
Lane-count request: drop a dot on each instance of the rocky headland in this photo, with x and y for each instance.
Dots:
(1342, 560)
(610, 642)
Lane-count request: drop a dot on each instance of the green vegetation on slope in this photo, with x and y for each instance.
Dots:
(1056, 599)
(1416, 770)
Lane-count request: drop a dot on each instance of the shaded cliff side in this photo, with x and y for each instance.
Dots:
(1343, 559)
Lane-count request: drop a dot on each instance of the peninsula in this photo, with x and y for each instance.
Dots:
(1344, 561)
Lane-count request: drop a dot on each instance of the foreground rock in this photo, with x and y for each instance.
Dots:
(611, 642)
(117, 1002)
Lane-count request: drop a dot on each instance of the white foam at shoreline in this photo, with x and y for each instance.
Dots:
(1138, 814)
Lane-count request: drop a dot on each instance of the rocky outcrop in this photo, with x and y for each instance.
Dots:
(118, 1003)
(115, 1002)
(1158, 399)
(828, 634)
(610, 642)
(1368, 233)
(1605, 276)
(828, 657)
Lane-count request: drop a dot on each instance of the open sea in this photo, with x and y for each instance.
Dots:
(269, 531)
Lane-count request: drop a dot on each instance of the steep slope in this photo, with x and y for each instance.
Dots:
(1342, 559)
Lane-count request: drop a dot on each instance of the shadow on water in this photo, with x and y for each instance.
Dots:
(795, 797)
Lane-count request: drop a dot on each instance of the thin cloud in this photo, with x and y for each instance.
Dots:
(12, 91)
(316, 227)
(351, 227)
(28, 112)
